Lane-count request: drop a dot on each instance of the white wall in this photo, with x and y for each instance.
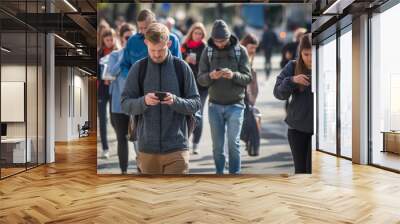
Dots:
(71, 94)
(61, 104)
(14, 73)
(17, 73)
(33, 125)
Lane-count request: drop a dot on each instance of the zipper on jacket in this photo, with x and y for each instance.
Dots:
(159, 66)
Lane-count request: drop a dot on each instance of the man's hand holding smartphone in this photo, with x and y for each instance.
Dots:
(168, 99)
(227, 73)
(216, 74)
(151, 99)
(164, 97)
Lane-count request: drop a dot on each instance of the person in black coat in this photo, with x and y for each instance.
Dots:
(268, 42)
(191, 49)
(295, 81)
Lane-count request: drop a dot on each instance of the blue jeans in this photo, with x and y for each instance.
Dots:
(222, 117)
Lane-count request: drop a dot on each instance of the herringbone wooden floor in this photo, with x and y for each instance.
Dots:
(69, 191)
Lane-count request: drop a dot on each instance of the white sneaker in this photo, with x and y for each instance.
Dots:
(195, 149)
(105, 154)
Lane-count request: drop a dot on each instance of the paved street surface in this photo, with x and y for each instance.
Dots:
(275, 156)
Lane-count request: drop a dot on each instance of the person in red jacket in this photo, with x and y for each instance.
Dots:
(191, 49)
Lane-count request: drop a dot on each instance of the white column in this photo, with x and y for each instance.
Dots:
(50, 94)
(360, 90)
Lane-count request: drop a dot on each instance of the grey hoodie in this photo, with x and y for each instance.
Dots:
(225, 91)
(162, 128)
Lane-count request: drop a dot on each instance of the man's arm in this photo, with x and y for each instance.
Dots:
(114, 66)
(204, 70)
(126, 62)
(284, 85)
(175, 47)
(131, 100)
(243, 76)
(190, 103)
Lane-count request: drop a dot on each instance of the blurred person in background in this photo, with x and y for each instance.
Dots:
(295, 82)
(238, 27)
(268, 42)
(118, 23)
(136, 49)
(251, 43)
(108, 43)
(224, 68)
(119, 120)
(191, 49)
(289, 50)
(102, 26)
(170, 23)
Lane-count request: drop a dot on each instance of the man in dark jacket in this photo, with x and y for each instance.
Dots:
(162, 128)
(224, 68)
(268, 42)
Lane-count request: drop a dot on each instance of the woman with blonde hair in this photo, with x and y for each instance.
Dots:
(102, 26)
(192, 48)
(108, 43)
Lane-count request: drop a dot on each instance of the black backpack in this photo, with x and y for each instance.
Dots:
(134, 120)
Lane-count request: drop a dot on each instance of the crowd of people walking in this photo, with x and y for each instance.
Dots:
(157, 81)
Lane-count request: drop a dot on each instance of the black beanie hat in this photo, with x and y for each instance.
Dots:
(220, 30)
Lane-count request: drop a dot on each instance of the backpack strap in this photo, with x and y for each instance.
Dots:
(142, 74)
(191, 120)
(209, 54)
(178, 64)
(237, 52)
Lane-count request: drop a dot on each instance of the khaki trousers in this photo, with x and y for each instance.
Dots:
(171, 163)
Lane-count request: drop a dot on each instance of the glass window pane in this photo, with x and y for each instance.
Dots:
(327, 97)
(41, 98)
(346, 94)
(385, 84)
(13, 85)
(32, 97)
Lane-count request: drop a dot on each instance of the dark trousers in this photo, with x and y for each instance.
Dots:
(199, 128)
(102, 113)
(267, 56)
(300, 144)
(120, 124)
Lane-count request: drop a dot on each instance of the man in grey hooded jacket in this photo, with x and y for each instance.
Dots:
(162, 129)
(224, 68)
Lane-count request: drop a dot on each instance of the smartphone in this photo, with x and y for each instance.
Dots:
(161, 95)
